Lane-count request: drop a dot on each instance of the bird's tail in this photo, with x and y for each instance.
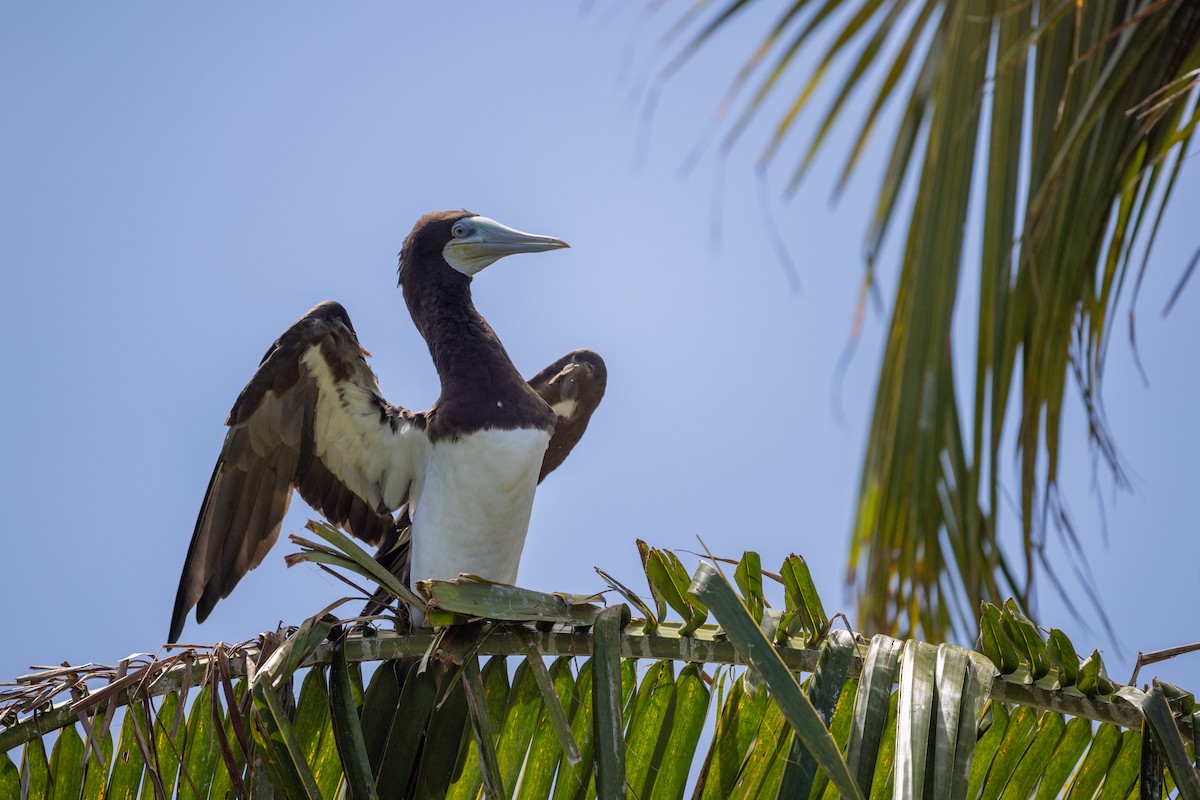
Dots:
(395, 554)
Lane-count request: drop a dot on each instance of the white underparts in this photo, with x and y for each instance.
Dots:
(471, 506)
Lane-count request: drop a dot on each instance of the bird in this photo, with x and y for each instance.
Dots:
(440, 492)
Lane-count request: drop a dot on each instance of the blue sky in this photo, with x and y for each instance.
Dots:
(178, 186)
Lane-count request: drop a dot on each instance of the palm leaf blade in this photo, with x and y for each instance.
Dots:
(716, 593)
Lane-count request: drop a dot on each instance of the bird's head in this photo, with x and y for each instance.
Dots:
(466, 243)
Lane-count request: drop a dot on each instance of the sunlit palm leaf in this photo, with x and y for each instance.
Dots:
(1091, 106)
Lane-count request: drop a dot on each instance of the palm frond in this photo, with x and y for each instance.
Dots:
(618, 712)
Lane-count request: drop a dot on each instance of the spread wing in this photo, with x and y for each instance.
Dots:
(310, 418)
(573, 386)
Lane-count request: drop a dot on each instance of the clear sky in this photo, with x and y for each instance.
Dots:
(177, 185)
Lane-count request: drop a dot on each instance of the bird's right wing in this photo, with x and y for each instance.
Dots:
(311, 418)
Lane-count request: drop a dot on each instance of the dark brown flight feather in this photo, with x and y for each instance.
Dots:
(270, 449)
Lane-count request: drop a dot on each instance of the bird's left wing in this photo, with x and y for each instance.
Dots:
(573, 386)
(311, 418)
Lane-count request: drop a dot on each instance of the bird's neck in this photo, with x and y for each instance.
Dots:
(468, 356)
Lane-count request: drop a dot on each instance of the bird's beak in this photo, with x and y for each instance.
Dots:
(489, 241)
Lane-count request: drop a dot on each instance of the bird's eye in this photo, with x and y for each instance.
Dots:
(459, 230)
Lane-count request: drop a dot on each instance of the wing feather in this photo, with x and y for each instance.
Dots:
(573, 386)
(311, 418)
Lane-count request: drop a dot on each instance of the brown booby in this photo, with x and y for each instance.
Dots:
(441, 492)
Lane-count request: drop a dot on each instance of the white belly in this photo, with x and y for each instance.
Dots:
(474, 502)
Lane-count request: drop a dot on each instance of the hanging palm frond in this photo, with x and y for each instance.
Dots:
(1076, 117)
(620, 710)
